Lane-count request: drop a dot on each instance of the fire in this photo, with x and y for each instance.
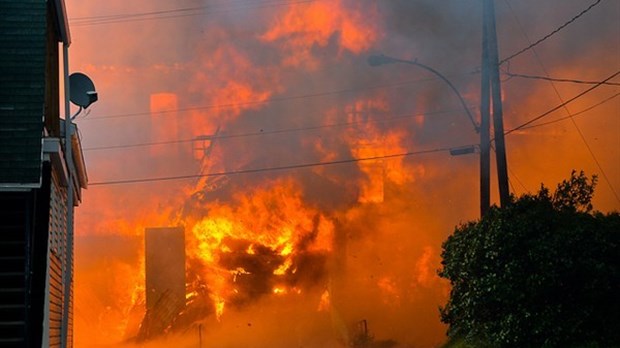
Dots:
(227, 80)
(235, 97)
(368, 141)
(283, 268)
(304, 26)
(324, 303)
(258, 240)
(322, 247)
(219, 307)
(212, 232)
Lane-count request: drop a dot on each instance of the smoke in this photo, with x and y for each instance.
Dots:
(282, 84)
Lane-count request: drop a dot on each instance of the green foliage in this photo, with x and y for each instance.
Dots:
(543, 271)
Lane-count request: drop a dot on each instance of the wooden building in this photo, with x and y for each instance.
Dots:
(35, 216)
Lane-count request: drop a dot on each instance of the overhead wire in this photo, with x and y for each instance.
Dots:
(532, 45)
(535, 77)
(269, 169)
(523, 126)
(563, 105)
(574, 114)
(80, 19)
(514, 176)
(262, 132)
(317, 127)
(103, 183)
(265, 101)
(174, 13)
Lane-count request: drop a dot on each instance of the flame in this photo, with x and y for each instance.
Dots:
(266, 247)
(324, 303)
(303, 27)
(367, 141)
(283, 268)
(228, 81)
(425, 267)
(219, 306)
(266, 229)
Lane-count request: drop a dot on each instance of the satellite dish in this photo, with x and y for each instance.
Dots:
(82, 90)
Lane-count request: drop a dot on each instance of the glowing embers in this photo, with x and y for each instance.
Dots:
(267, 241)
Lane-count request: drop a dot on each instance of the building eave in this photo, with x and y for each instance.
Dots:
(63, 22)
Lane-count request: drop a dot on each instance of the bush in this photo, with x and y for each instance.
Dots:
(544, 271)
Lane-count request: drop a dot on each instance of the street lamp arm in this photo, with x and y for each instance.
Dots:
(377, 60)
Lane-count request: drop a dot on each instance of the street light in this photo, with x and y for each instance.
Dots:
(377, 60)
(463, 150)
(380, 59)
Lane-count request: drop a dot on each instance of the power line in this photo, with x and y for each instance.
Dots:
(266, 101)
(534, 77)
(91, 19)
(267, 169)
(551, 33)
(573, 115)
(247, 171)
(523, 125)
(277, 131)
(333, 162)
(514, 176)
(140, 14)
(173, 13)
(564, 104)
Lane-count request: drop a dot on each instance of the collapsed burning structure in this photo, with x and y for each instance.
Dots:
(283, 240)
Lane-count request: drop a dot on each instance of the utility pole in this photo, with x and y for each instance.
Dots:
(485, 140)
(491, 64)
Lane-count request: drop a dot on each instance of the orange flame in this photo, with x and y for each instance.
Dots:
(272, 223)
(315, 24)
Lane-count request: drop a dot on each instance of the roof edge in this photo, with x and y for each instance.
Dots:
(63, 21)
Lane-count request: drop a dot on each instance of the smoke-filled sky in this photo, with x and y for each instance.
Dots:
(286, 83)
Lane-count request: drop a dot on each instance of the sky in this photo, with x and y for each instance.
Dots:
(286, 84)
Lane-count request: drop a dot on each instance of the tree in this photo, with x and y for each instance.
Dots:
(544, 271)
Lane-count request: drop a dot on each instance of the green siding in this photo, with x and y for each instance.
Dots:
(22, 89)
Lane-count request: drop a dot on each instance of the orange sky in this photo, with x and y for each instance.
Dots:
(256, 68)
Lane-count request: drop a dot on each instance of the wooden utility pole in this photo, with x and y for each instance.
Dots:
(490, 59)
(485, 141)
